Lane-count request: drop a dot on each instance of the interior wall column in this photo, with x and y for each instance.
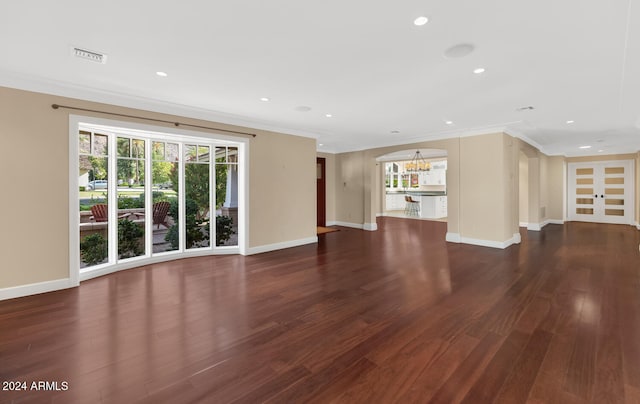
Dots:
(534, 194)
(369, 165)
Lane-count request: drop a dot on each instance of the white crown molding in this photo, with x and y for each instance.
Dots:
(441, 135)
(24, 82)
(517, 134)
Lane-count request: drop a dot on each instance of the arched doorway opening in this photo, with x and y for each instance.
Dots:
(414, 184)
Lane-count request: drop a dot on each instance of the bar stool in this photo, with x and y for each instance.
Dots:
(412, 208)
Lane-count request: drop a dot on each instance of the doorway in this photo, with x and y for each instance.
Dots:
(321, 191)
(601, 192)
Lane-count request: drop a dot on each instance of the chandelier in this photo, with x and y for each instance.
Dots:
(417, 163)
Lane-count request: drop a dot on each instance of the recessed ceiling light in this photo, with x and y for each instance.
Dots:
(265, 99)
(458, 51)
(479, 70)
(585, 147)
(600, 151)
(302, 108)
(162, 74)
(449, 122)
(527, 108)
(420, 21)
(321, 144)
(570, 121)
(328, 115)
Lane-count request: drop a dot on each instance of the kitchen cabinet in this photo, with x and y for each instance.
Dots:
(395, 202)
(433, 207)
(433, 177)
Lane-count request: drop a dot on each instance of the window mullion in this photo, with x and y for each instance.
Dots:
(148, 198)
(112, 197)
(181, 197)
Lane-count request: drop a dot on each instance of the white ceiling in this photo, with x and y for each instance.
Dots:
(363, 61)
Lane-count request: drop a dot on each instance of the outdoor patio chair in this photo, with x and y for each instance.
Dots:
(160, 211)
(100, 213)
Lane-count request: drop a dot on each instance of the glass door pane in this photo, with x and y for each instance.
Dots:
(131, 197)
(197, 200)
(226, 196)
(165, 168)
(93, 202)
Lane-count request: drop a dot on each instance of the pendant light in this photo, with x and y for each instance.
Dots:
(418, 163)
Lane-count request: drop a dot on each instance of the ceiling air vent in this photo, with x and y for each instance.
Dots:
(527, 108)
(89, 55)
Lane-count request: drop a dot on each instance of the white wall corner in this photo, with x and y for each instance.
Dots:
(523, 224)
(370, 226)
(516, 238)
(453, 237)
(36, 288)
(352, 225)
(280, 246)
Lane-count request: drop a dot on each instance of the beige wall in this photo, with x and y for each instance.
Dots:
(350, 187)
(555, 186)
(330, 175)
(34, 243)
(282, 189)
(483, 191)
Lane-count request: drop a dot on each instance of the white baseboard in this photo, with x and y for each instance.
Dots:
(332, 223)
(101, 270)
(456, 238)
(36, 288)
(554, 221)
(539, 226)
(379, 214)
(352, 225)
(370, 226)
(280, 246)
(452, 237)
(523, 224)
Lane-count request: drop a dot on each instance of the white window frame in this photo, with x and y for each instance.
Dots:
(151, 133)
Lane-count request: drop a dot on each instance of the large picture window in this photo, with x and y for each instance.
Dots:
(146, 195)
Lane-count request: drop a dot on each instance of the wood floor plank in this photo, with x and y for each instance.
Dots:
(468, 371)
(518, 385)
(486, 388)
(396, 315)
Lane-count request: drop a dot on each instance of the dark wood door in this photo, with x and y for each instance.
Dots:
(321, 193)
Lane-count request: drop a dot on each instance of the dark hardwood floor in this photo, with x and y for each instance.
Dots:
(396, 315)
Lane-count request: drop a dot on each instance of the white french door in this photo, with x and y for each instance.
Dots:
(601, 191)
